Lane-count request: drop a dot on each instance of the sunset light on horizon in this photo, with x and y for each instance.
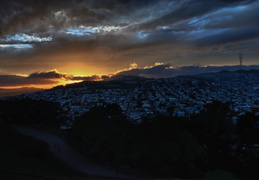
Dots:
(47, 43)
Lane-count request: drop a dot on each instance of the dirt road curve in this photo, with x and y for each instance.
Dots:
(60, 149)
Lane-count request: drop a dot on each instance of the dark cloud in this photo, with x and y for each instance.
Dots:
(190, 9)
(54, 74)
(37, 78)
(48, 18)
(231, 35)
(44, 78)
(105, 77)
(87, 78)
(49, 75)
(32, 16)
(15, 80)
(246, 17)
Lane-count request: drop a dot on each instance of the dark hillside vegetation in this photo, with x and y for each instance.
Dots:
(23, 157)
(171, 146)
(160, 146)
(28, 111)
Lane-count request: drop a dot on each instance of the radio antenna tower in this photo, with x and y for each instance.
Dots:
(241, 58)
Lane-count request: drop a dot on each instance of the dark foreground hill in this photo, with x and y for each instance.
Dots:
(23, 157)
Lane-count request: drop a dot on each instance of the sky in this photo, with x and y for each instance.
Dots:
(48, 42)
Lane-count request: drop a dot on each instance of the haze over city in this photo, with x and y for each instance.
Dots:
(46, 43)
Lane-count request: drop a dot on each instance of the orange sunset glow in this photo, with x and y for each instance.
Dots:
(88, 41)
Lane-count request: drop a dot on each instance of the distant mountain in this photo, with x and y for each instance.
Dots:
(224, 71)
(226, 75)
(242, 71)
(194, 71)
(252, 71)
(18, 91)
(122, 77)
(166, 70)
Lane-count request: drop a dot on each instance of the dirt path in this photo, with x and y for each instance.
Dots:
(60, 149)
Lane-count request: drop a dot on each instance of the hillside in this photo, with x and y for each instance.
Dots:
(19, 91)
(23, 157)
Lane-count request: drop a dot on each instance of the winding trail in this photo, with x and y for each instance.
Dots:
(60, 149)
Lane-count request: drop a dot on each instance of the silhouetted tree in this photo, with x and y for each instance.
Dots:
(160, 146)
(214, 129)
(248, 130)
(28, 111)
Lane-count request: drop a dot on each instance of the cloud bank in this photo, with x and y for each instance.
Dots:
(48, 78)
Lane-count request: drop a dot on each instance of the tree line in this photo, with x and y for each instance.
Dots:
(172, 146)
(161, 146)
